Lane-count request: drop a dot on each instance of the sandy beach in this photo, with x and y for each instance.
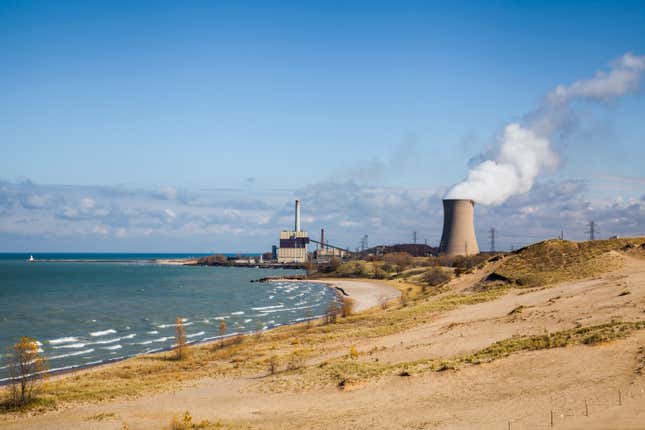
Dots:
(366, 294)
(406, 373)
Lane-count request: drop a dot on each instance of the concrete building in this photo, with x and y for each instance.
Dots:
(458, 237)
(293, 243)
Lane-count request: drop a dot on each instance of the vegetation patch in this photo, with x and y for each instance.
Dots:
(557, 260)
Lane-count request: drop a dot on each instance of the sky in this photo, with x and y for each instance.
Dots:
(192, 126)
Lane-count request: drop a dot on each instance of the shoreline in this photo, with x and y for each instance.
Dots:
(356, 289)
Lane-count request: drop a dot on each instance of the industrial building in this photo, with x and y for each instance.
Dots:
(458, 236)
(326, 252)
(293, 243)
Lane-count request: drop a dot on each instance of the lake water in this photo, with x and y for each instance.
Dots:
(95, 312)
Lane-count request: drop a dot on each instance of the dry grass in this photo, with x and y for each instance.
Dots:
(297, 365)
(557, 260)
(346, 371)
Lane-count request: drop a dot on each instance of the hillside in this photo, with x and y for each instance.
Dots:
(555, 260)
(512, 354)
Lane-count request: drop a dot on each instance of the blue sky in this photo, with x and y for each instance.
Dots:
(363, 109)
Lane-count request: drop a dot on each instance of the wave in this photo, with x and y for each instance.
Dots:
(71, 354)
(63, 340)
(267, 307)
(269, 311)
(201, 333)
(71, 345)
(103, 342)
(237, 313)
(102, 332)
(175, 325)
(130, 336)
(113, 347)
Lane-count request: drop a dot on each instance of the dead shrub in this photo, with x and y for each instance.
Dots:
(436, 276)
(348, 306)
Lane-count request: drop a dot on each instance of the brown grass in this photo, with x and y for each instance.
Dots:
(557, 260)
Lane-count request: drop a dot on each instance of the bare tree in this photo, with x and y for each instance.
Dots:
(27, 370)
(222, 332)
(181, 348)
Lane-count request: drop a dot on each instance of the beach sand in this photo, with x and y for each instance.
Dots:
(522, 390)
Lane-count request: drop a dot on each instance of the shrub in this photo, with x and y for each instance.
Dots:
(400, 260)
(379, 273)
(27, 370)
(181, 347)
(331, 313)
(222, 332)
(352, 268)
(436, 276)
(404, 298)
(348, 306)
(296, 360)
(353, 353)
(273, 364)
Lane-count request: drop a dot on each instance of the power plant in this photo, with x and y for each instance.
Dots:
(458, 236)
(293, 243)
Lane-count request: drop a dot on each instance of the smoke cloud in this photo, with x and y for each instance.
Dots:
(525, 150)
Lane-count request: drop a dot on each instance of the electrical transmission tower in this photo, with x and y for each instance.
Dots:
(364, 243)
(592, 230)
(492, 239)
(414, 237)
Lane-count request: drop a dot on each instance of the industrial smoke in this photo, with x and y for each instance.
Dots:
(525, 150)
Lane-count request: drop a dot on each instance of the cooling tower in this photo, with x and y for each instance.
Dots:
(458, 237)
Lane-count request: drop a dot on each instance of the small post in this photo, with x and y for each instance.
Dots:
(509, 425)
(586, 408)
(551, 418)
(620, 398)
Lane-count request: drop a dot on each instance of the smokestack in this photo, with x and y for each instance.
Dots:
(322, 238)
(297, 215)
(458, 237)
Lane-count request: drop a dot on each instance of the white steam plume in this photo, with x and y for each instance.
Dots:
(525, 149)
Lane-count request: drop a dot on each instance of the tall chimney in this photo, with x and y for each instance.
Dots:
(297, 215)
(322, 238)
(458, 237)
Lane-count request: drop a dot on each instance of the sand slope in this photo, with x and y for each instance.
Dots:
(525, 388)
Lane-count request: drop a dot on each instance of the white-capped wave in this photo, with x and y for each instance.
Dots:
(175, 325)
(267, 307)
(102, 332)
(130, 336)
(269, 311)
(113, 347)
(188, 336)
(103, 342)
(63, 340)
(153, 332)
(71, 354)
(248, 320)
(237, 313)
(71, 346)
